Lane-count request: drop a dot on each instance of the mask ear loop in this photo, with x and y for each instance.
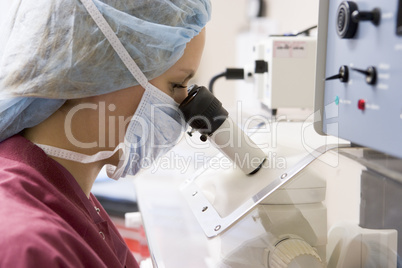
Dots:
(115, 43)
(113, 171)
(77, 157)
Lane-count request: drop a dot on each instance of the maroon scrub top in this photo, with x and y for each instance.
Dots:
(46, 220)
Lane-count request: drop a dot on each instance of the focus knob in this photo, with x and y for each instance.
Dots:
(294, 253)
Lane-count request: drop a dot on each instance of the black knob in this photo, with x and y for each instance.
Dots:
(204, 138)
(346, 27)
(373, 16)
(370, 73)
(343, 74)
(349, 16)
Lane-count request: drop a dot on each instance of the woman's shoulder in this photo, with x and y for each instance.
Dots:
(37, 241)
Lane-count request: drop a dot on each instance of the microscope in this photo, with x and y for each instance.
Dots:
(291, 218)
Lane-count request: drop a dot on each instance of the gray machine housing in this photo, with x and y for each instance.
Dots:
(377, 122)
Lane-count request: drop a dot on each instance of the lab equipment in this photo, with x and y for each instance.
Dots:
(69, 57)
(290, 76)
(359, 44)
(356, 99)
(250, 220)
(205, 114)
(353, 246)
(282, 71)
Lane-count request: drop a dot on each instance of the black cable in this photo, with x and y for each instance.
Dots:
(229, 74)
(261, 9)
(213, 79)
(307, 31)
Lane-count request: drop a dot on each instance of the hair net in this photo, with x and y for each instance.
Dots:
(51, 51)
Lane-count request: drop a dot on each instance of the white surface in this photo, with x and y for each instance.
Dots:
(133, 220)
(146, 263)
(174, 236)
(4, 7)
(352, 246)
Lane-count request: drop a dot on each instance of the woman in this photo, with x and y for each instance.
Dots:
(85, 84)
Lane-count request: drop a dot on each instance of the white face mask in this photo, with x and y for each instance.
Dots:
(154, 129)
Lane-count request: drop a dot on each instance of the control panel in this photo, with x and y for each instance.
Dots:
(359, 73)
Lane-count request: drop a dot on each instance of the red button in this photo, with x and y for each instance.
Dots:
(361, 104)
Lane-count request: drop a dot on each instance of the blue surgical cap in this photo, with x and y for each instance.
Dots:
(52, 50)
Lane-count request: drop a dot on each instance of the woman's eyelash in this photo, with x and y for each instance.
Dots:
(179, 86)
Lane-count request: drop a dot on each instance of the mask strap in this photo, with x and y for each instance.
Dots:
(77, 157)
(115, 42)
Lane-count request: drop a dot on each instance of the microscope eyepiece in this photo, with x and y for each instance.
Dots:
(203, 111)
